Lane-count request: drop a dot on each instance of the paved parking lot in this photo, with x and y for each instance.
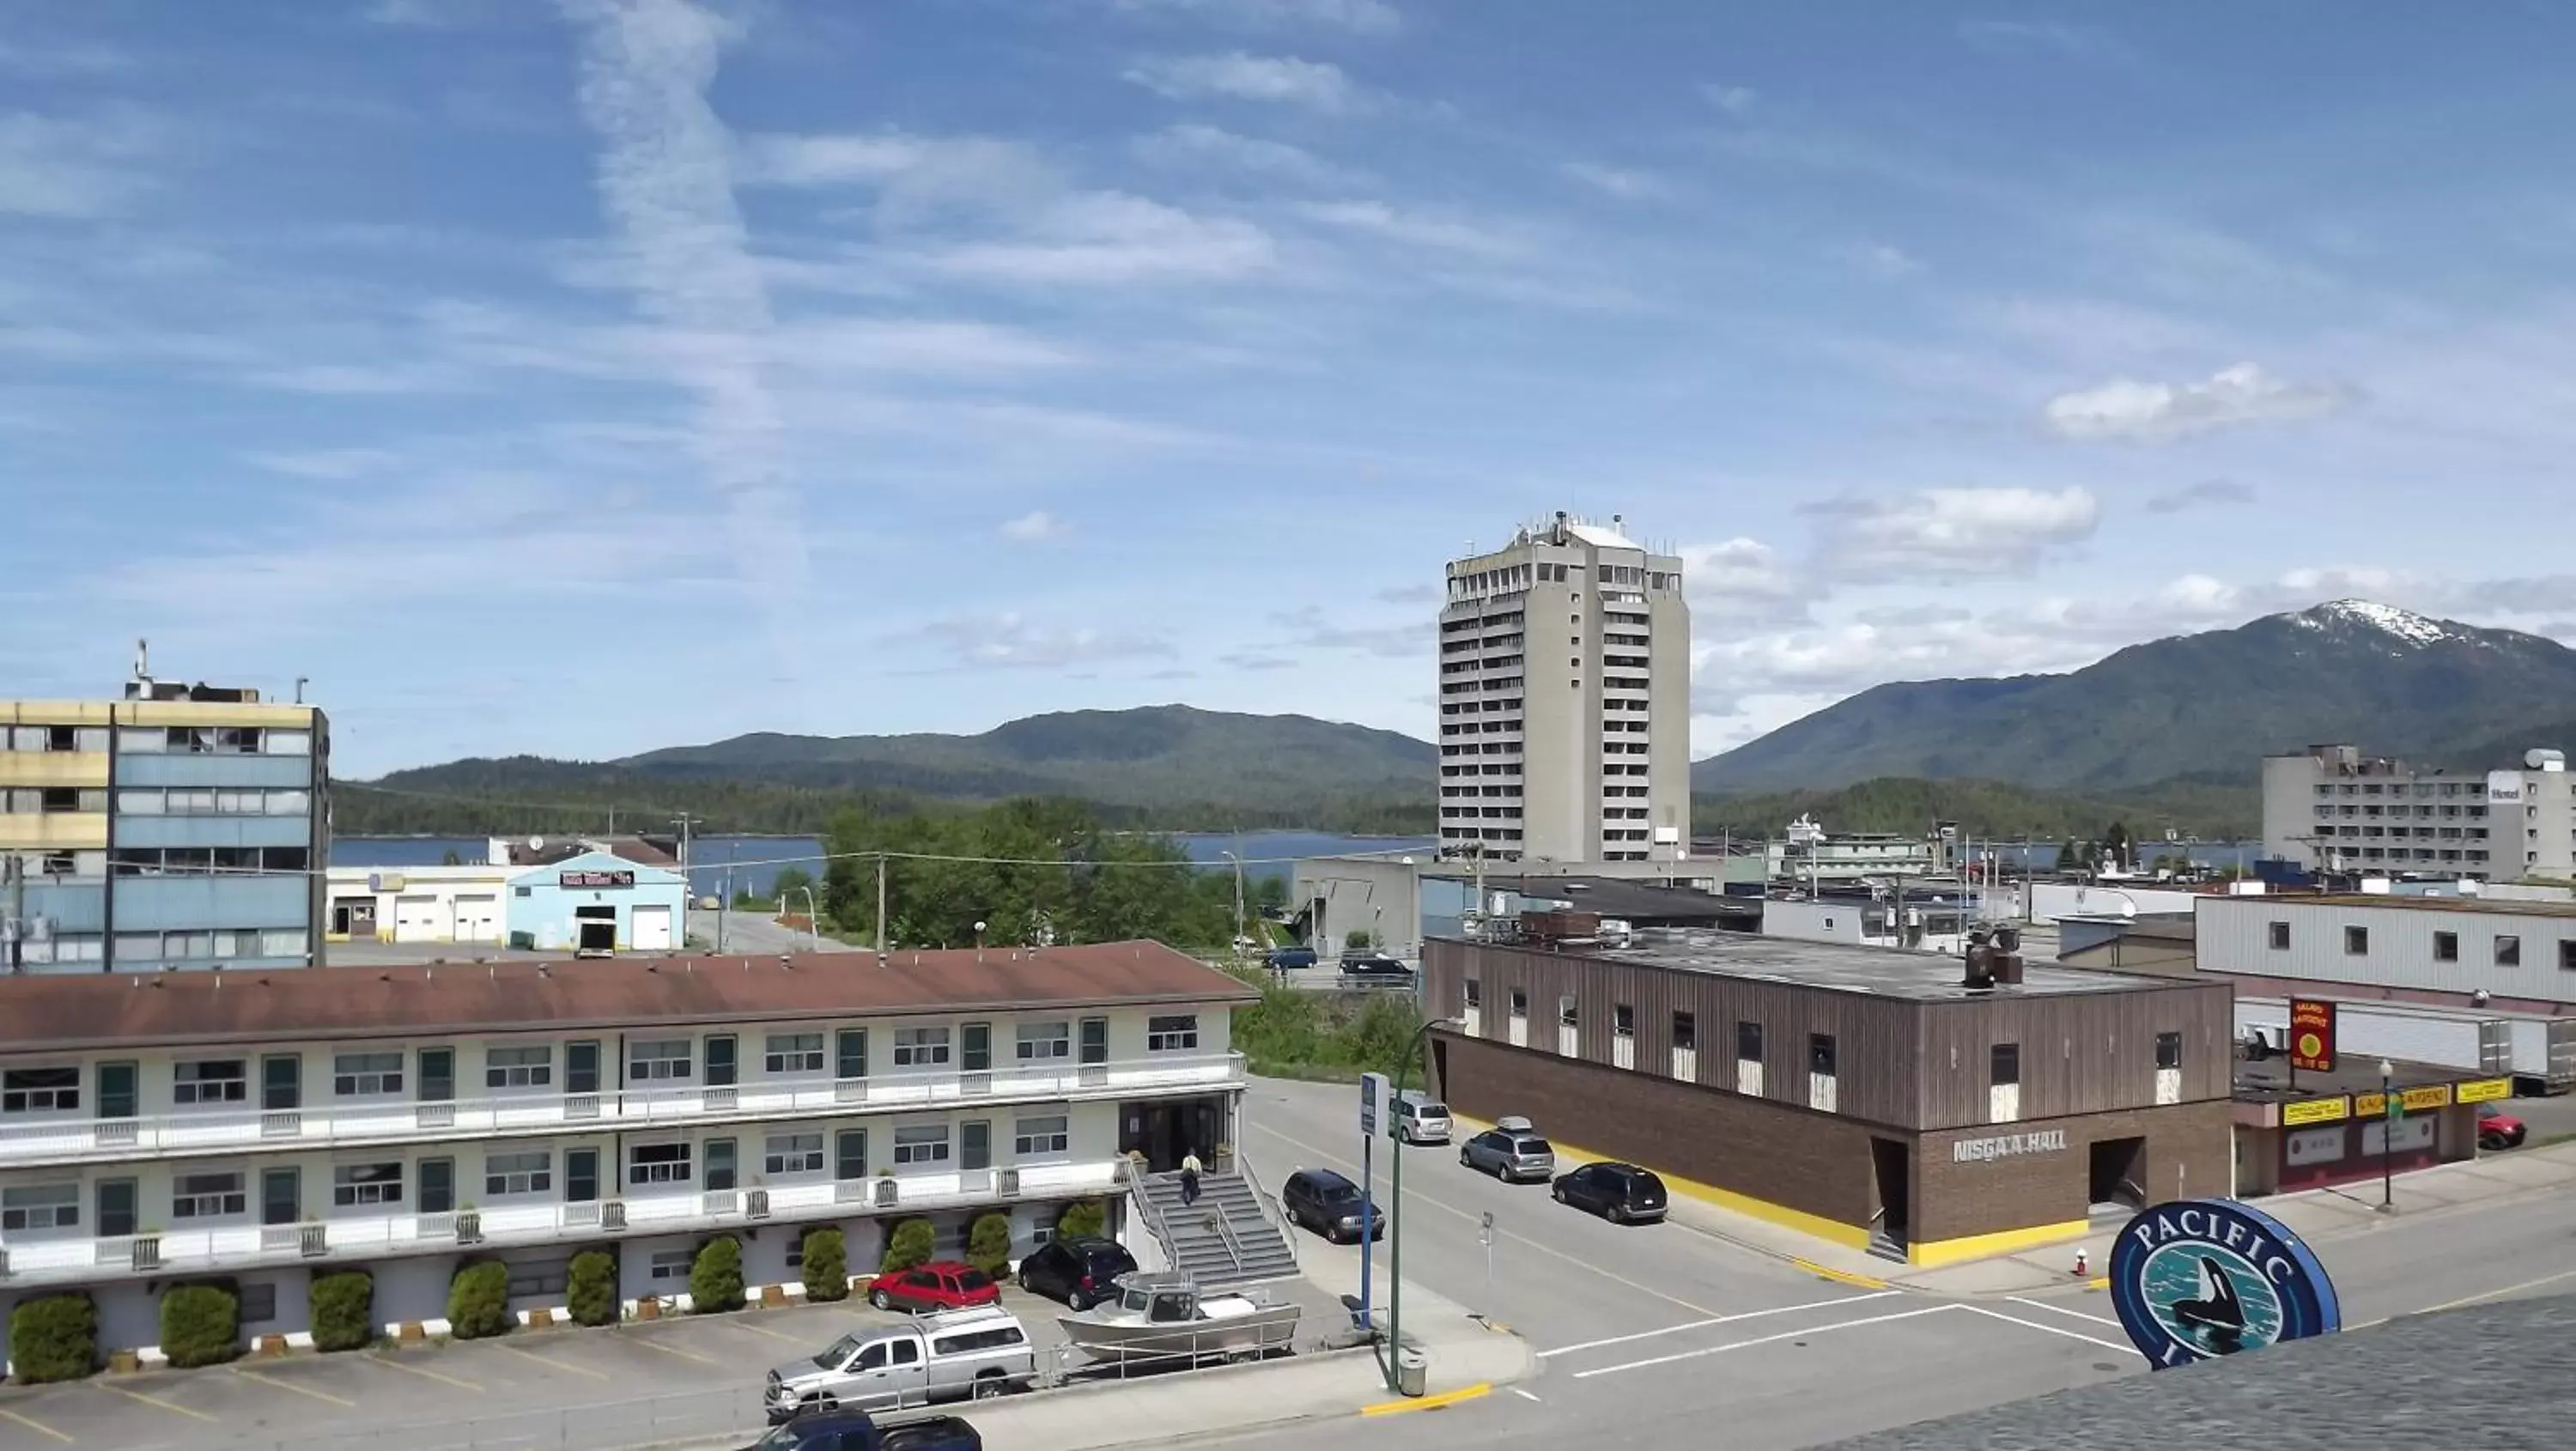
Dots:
(562, 1389)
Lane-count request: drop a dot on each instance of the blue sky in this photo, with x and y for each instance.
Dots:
(584, 378)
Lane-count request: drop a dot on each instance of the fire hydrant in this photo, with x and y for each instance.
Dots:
(2083, 1267)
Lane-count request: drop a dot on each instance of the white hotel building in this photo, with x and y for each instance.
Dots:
(262, 1127)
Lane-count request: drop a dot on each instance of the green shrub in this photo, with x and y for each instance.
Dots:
(715, 1280)
(478, 1301)
(200, 1325)
(988, 1245)
(827, 1264)
(344, 1308)
(54, 1338)
(912, 1243)
(590, 1289)
(1082, 1220)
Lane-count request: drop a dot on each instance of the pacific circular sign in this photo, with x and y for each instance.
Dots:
(2198, 1279)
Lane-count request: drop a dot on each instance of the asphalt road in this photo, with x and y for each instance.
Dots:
(1667, 1337)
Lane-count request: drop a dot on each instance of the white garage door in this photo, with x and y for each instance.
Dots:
(423, 919)
(478, 919)
(652, 929)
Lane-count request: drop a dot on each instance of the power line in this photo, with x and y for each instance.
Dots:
(1184, 863)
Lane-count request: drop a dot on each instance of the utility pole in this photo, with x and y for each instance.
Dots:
(683, 821)
(881, 917)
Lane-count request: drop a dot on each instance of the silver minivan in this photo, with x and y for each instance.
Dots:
(1419, 1119)
(979, 1352)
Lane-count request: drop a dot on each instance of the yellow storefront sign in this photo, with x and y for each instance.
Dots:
(2369, 1105)
(2485, 1090)
(2434, 1095)
(2314, 1111)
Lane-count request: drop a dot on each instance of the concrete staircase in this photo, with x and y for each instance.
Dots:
(1228, 1239)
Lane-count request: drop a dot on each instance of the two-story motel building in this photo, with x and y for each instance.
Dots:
(261, 1127)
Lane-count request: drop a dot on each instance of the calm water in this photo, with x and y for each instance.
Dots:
(754, 862)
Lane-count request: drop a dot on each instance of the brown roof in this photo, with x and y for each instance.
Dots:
(121, 1010)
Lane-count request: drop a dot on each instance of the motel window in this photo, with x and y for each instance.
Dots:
(1748, 1042)
(581, 1175)
(208, 1196)
(36, 1208)
(920, 1047)
(367, 1075)
(850, 1154)
(281, 1082)
(2356, 942)
(2508, 950)
(120, 1087)
(581, 1066)
(1176, 1033)
(1095, 1040)
(921, 1144)
(1685, 1033)
(529, 1172)
(530, 1066)
(2446, 947)
(720, 1060)
(2169, 1050)
(722, 1170)
(792, 1154)
(975, 1047)
(354, 1185)
(671, 1264)
(1044, 1042)
(2003, 1065)
(40, 1090)
(1035, 1137)
(2280, 937)
(1820, 1054)
(975, 1144)
(660, 1164)
(658, 1060)
(210, 1081)
(850, 1053)
(119, 1210)
(792, 1053)
(1623, 1021)
(1520, 1003)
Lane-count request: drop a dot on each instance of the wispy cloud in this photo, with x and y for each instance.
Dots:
(1953, 533)
(1035, 527)
(1361, 17)
(2042, 37)
(665, 179)
(2125, 409)
(65, 61)
(60, 169)
(1308, 628)
(330, 464)
(1280, 80)
(1883, 260)
(1009, 641)
(1416, 229)
(1625, 184)
(1733, 100)
(1211, 146)
(2207, 494)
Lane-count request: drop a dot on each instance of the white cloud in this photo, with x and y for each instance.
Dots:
(1617, 182)
(1884, 260)
(1111, 237)
(1008, 641)
(2050, 37)
(1363, 17)
(1416, 229)
(69, 170)
(328, 463)
(1310, 630)
(2233, 397)
(1742, 583)
(1952, 533)
(1733, 100)
(913, 175)
(1193, 143)
(2208, 493)
(1034, 527)
(1281, 79)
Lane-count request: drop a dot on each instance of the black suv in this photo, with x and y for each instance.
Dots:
(1330, 1205)
(1620, 1193)
(1081, 1271)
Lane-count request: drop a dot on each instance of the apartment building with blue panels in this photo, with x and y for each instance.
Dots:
(182, 828)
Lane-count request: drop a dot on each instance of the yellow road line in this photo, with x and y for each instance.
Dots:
(649, 1344)
(290, 1386)
(772, 1334)
(2098, 1282)
(557, 1364)
(151, 1400)
(1429, 1403)
(32, 1424)
(424, 1373)
(1840, 1277)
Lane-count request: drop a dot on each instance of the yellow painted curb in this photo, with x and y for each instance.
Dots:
(1429, 1403)
(2103, 1283)
(1840, 1277)
(1849, 1236)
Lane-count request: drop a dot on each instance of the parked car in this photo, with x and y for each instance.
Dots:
(980, 1353)
(827, 1431)
(1282, 958)
(930, 1433)
(2498, 1129)
(1620, 1193)
(938, 1285)
(1510, 1154)
(1418, 1119)
(1081, 1271)
(1376, 967)
(1329, 1205)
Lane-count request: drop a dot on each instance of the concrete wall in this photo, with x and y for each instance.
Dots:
(1362, 894)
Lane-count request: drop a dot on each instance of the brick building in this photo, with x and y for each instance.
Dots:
(1865, 1095)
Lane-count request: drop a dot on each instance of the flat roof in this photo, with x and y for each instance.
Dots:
(2516, 906)
(1890, 972)
(2269, 1080)
(131, 1010)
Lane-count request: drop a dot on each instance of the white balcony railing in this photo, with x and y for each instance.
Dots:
(670, 1210)
(331, 1122)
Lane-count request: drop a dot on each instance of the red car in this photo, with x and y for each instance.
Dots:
(938, 1285)
(2498, 1129)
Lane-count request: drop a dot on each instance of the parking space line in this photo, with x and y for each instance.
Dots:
(650, 1344)
(2062, 1310)
(152, 1400)
(762, 1330)
(32, 1424)
(1524, 1395)
(2046, 1329)
(1769, 1340)
(549, 1360)
(423, 1372)
(288, 1385)
(1552, 1251)
(1718, 1320)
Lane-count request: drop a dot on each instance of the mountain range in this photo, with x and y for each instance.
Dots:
(2194, 708)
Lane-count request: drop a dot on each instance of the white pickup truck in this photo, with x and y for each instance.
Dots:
(981, 1352)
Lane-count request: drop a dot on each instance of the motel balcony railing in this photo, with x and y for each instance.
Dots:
(642, 1210)
(334, 1122)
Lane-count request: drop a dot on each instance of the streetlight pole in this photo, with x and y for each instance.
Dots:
(814, 920)
(1238, 894)
(2388, 1111)
(1395, 1207)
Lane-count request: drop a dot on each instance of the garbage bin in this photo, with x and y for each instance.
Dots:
(1411, 1372)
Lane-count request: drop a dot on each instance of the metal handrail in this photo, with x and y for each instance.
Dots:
(1262, 1201)
(1151, 1213)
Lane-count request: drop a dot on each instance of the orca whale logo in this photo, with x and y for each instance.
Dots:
(2197, 1279)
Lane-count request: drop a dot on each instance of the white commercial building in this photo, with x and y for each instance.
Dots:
(1578, 752)
(2331, 808)
(2517, 956)
(263, 1127)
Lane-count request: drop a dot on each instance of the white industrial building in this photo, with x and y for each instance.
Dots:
(591, 901)
(2517, 956)
(265, 1127)
(2331, 808)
